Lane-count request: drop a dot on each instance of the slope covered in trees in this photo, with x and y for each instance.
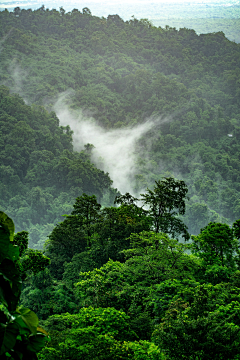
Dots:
(125, 72)
(40, 174)
(119, 284)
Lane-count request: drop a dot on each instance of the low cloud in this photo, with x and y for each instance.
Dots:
(114, 150)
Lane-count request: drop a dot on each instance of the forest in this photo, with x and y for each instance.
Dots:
(85, 271)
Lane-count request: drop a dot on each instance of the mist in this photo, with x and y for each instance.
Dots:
(114, 150)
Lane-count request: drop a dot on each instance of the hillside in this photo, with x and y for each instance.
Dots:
(40, 174)
(118, 277)
(123, 73)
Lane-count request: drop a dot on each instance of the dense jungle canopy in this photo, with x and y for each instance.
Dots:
(118, 278)
(123, 73)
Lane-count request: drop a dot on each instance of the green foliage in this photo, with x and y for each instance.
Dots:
(98, 234)
(103, 233)
(216, 244)
(236, 229)
(8, 225)
(47, 297)
(123, 72)
(34, 261)
(165, 202)
(21, 240)
(171, 297)
(204, 326)
(40, 173)
(152, 258)
(162, 294)
(96, 334)
(20, 335)
(216, 274)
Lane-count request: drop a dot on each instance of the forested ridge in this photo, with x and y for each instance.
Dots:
(127, 72)
(118, 278)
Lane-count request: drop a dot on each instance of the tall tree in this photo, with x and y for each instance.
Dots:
(165, 202)
(216, 244)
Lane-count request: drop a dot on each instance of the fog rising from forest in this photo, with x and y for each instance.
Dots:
(114, 150)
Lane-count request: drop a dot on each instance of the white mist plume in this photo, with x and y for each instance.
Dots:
(16, 80)
(18, 74)
(114, 150)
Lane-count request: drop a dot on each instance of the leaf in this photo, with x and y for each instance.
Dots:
(13, 252)
(4, 244)
(7, 223)
(19, 354)
(2, 297)
(23, 328)
(41, 330)
(10, 282)
(29, 317)
(8, 336)
(37, 343)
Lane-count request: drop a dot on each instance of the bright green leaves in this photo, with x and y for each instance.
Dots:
(21, 240)
(7, 224)
(151, 260)
(96, 333)
(202, 321)
(29, 318)
(215, 244)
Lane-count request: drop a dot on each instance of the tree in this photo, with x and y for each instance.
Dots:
(73, 235)
(215, 244)
(31, 261)
(151, 259)
(21, 240)
(62, 11)
(87, 209)
(99, 233)
(86, 11)
(96, 333)
(164, 203)
(17, 11)
(205, 326)
(236, 229)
